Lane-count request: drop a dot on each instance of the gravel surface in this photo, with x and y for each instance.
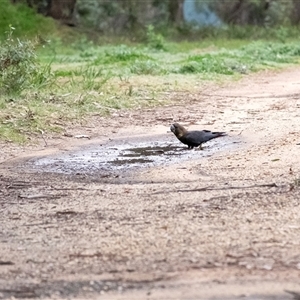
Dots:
(223, 225)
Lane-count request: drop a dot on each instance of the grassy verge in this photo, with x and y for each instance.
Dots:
(24, 19)
(76, 81)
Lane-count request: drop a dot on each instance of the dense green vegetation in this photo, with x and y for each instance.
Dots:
(46, 83)
(25, 20)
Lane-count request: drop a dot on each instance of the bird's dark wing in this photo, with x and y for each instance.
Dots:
(199, 137)
(194, 138)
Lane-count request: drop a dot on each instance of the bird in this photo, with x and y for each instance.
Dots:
(194, 138)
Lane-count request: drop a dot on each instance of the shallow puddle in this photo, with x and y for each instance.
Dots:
(126, 154)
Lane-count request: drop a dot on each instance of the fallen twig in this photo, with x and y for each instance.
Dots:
(291, 96)
(42, 132)
(40, 196)
(241, 132)
(6, 263)
(212, 188)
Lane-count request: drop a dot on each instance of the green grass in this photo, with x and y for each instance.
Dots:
(83, 79)
(25, 20)
(214, 57)
(51, 76)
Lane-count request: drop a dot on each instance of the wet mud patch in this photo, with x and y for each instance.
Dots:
(66, 289)
(128, 154)
(62, 289)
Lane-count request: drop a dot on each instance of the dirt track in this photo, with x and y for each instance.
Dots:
(224, 226)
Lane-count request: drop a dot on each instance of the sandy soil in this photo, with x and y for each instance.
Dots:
(224, 226)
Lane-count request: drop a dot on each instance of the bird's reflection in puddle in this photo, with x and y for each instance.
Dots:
(144, 155)
(152, 151)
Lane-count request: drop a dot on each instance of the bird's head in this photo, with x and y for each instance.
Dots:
(173, 127)
(177, 129)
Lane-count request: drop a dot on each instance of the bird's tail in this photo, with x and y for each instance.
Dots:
(217, 134)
